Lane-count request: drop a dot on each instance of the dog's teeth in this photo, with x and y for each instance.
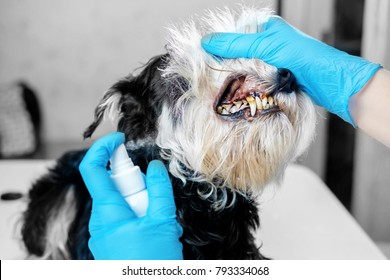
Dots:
(234, 109)
(259, 106)
(250, 99)
(243, 106)
(252, 104)
(225, 112)
(270, 100)
(253, 108)
(238, 103)
(227, 106)
(264, 101)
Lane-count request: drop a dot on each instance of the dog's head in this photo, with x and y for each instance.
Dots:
(230, 122)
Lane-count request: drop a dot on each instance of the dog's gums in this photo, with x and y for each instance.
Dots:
(245, 97)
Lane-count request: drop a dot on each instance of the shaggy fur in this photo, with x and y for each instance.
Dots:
(224, 128)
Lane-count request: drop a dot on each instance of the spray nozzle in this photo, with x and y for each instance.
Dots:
(120, 160)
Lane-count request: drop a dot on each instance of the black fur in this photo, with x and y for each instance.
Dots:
(208, 233)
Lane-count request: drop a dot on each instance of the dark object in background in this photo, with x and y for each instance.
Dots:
(20, 121)
(348, 26)
(11, 196)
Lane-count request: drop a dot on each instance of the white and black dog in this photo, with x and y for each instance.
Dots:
(225, 128)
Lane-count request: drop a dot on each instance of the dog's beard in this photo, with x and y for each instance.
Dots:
(244, 155)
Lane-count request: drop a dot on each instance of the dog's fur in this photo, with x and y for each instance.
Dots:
(218, 163)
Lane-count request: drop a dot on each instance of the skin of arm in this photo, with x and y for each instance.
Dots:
(370, 107)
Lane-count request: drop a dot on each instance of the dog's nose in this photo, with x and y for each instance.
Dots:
(286, 80)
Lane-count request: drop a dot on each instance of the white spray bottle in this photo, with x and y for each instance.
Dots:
(129, 180)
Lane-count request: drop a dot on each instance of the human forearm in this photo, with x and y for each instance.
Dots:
(370, 107)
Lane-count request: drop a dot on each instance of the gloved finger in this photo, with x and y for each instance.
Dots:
(109, 212)
(160, 192)
(93, 166)
(229, 45)
(239, 45)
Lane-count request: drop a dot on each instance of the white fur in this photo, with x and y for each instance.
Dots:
(241, 154)
(110, 107)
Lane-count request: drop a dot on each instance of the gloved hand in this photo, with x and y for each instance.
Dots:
(116, 232)
(329, 76)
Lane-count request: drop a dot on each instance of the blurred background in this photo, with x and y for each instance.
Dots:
(58, 57)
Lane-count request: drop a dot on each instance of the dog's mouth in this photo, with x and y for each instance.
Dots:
(244, 97)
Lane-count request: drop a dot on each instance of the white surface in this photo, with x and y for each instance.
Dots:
(299, 220)
(15, 176)
(302, 219)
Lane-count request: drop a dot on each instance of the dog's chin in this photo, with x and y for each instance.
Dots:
(244, 153)
(259, 151)
(266, 142)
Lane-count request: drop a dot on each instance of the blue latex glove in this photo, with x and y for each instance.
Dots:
(328, 75)
(116, 232)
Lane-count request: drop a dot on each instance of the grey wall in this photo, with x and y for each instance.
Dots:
(71, 51)
(314, 18)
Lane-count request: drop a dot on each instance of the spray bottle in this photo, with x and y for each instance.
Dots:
(129, 180)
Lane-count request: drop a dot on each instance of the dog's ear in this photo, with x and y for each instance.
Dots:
(110, 105)
(137, 100)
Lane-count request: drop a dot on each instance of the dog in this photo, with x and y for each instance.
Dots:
(224, 128)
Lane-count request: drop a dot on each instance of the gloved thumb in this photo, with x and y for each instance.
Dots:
(161, 201)
(253, 45)
(230, 45)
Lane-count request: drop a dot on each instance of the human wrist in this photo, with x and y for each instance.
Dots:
(332, 79)
(369, 107)
(357, 78)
